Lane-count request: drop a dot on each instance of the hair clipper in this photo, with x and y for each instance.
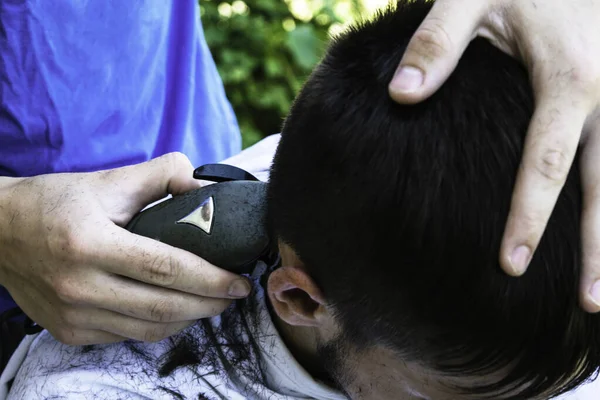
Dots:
(224, 223)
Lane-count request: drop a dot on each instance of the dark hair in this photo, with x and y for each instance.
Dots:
(398, 213)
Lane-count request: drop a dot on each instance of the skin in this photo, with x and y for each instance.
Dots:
(305, 320)
(70, 266)
(559, 42)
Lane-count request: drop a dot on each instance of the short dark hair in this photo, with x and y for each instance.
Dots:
(398, 213)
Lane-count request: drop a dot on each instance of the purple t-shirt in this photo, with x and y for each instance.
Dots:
(95, 84)
(87, 85)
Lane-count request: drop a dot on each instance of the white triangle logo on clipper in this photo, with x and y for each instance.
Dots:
(201, 217)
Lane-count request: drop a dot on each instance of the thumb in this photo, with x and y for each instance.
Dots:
(141, 184)
(435, 48)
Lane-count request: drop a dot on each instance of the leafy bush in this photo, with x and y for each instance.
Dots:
(264, 50)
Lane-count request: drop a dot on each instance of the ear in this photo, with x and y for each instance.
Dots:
(296, 298)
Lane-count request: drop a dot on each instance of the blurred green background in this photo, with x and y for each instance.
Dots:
(265, 49)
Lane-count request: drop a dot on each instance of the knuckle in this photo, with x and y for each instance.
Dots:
(582, 78)
(219, 307)
(529, 224)
(155, 334)
(163, 271)
(70, 317)
(553, 165)
(177, 160)
(591, 265)
(67, 336)
(67, 245)
(432, 40)
(590, 253)
(162, 311)
(591, 196)
(67, 291)
(586, 68)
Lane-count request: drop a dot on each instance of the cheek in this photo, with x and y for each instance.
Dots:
(376, 377)
(372, 374)
(366, 386)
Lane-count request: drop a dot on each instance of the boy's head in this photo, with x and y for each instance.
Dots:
(390, 219)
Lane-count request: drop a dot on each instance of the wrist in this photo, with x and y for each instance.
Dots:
(7, 186)
(7, 182)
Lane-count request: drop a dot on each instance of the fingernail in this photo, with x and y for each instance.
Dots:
(408, 79)
(240, 288)
(595, 293)
(520, 259)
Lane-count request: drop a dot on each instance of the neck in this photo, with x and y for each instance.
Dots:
(302, 343)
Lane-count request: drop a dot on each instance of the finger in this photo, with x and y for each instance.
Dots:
(143, 331)
(84, 337)
(590, 223)
(47, 316)
(151, 303)
(145, 183)
(150, 261)
(435, 48)
(550, 147)
(115, 324)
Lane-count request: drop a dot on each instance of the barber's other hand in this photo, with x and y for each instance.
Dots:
(70, 265)
(559, 42)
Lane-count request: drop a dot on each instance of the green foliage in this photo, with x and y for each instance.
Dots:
(264, 52)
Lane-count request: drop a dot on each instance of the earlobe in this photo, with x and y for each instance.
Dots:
(296, 298)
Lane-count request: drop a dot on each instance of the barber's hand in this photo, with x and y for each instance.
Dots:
(559, 42)
(70, 265)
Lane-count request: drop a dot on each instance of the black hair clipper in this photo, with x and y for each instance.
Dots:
(223, 223)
